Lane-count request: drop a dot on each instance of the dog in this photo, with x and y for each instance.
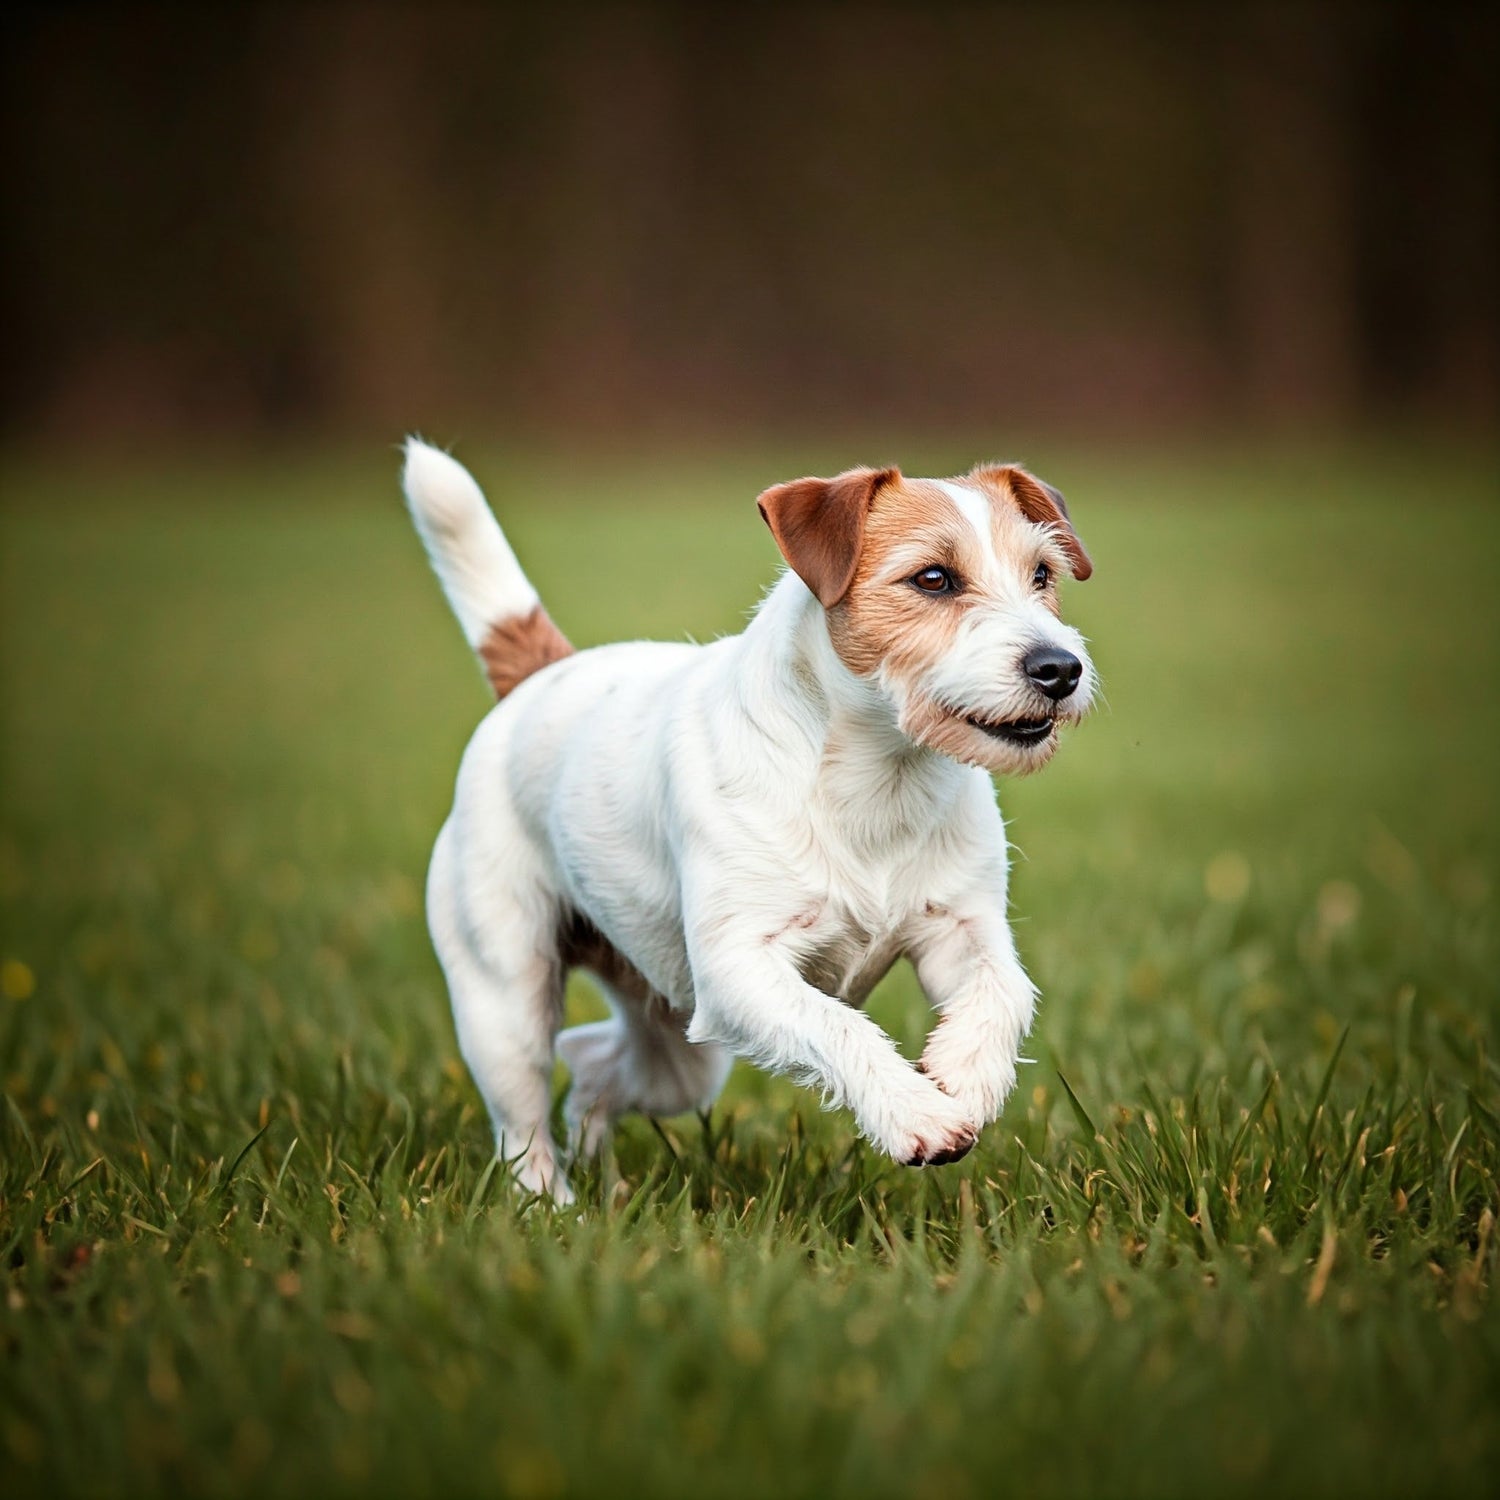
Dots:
(739, 839)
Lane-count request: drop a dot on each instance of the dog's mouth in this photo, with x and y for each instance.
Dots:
(1015, 731)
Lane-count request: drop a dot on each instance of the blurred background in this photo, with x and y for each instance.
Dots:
(644, 223)
(1225, 274)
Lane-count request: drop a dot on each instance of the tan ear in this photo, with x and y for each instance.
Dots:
(819, 525)
(1039, 502)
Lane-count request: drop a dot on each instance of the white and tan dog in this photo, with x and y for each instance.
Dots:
(740, 839)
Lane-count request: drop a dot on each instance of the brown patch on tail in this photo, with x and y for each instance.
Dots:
(519, 645)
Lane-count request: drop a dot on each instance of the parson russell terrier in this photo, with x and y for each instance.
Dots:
(739, 839)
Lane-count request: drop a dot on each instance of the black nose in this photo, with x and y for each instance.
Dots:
(1055, 671)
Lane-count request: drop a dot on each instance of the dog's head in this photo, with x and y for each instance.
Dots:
(944, 593)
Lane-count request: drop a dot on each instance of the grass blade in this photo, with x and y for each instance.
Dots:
(481, 1187)
(245, 1150)
(1322, 1097)
(1085, 1120)
(1248, 1124)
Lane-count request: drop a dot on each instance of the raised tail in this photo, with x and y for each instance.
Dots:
(494, 600)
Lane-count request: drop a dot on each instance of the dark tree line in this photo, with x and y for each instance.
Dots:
(264, 220)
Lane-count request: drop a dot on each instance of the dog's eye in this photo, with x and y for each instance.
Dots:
(1042, 577)
(934, 581)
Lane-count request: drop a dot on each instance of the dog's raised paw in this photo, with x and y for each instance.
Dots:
(955, 1153)
(941, 1149)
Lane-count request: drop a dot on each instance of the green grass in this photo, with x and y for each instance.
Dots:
(252, 1238)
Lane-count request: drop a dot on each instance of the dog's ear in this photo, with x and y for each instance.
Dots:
(1039, 502)
(819, 524)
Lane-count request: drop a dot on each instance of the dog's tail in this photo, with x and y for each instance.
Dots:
(494, 600)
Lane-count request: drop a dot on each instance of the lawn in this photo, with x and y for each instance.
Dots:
(1233, 1235)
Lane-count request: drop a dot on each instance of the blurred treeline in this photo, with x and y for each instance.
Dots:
(252, 221)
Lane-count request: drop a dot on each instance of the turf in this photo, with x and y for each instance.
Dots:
(1234, 1233)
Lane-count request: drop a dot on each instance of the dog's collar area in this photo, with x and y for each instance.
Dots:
(1016, 731)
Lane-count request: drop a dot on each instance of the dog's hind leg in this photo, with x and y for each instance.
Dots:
(496, 940)
(638, 1061)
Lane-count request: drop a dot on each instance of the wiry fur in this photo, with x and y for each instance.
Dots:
(741, 838)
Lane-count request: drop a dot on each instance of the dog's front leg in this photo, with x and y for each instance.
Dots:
(750, 997)
(966, 963)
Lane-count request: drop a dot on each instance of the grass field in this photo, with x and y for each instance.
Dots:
(1234, 1234)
